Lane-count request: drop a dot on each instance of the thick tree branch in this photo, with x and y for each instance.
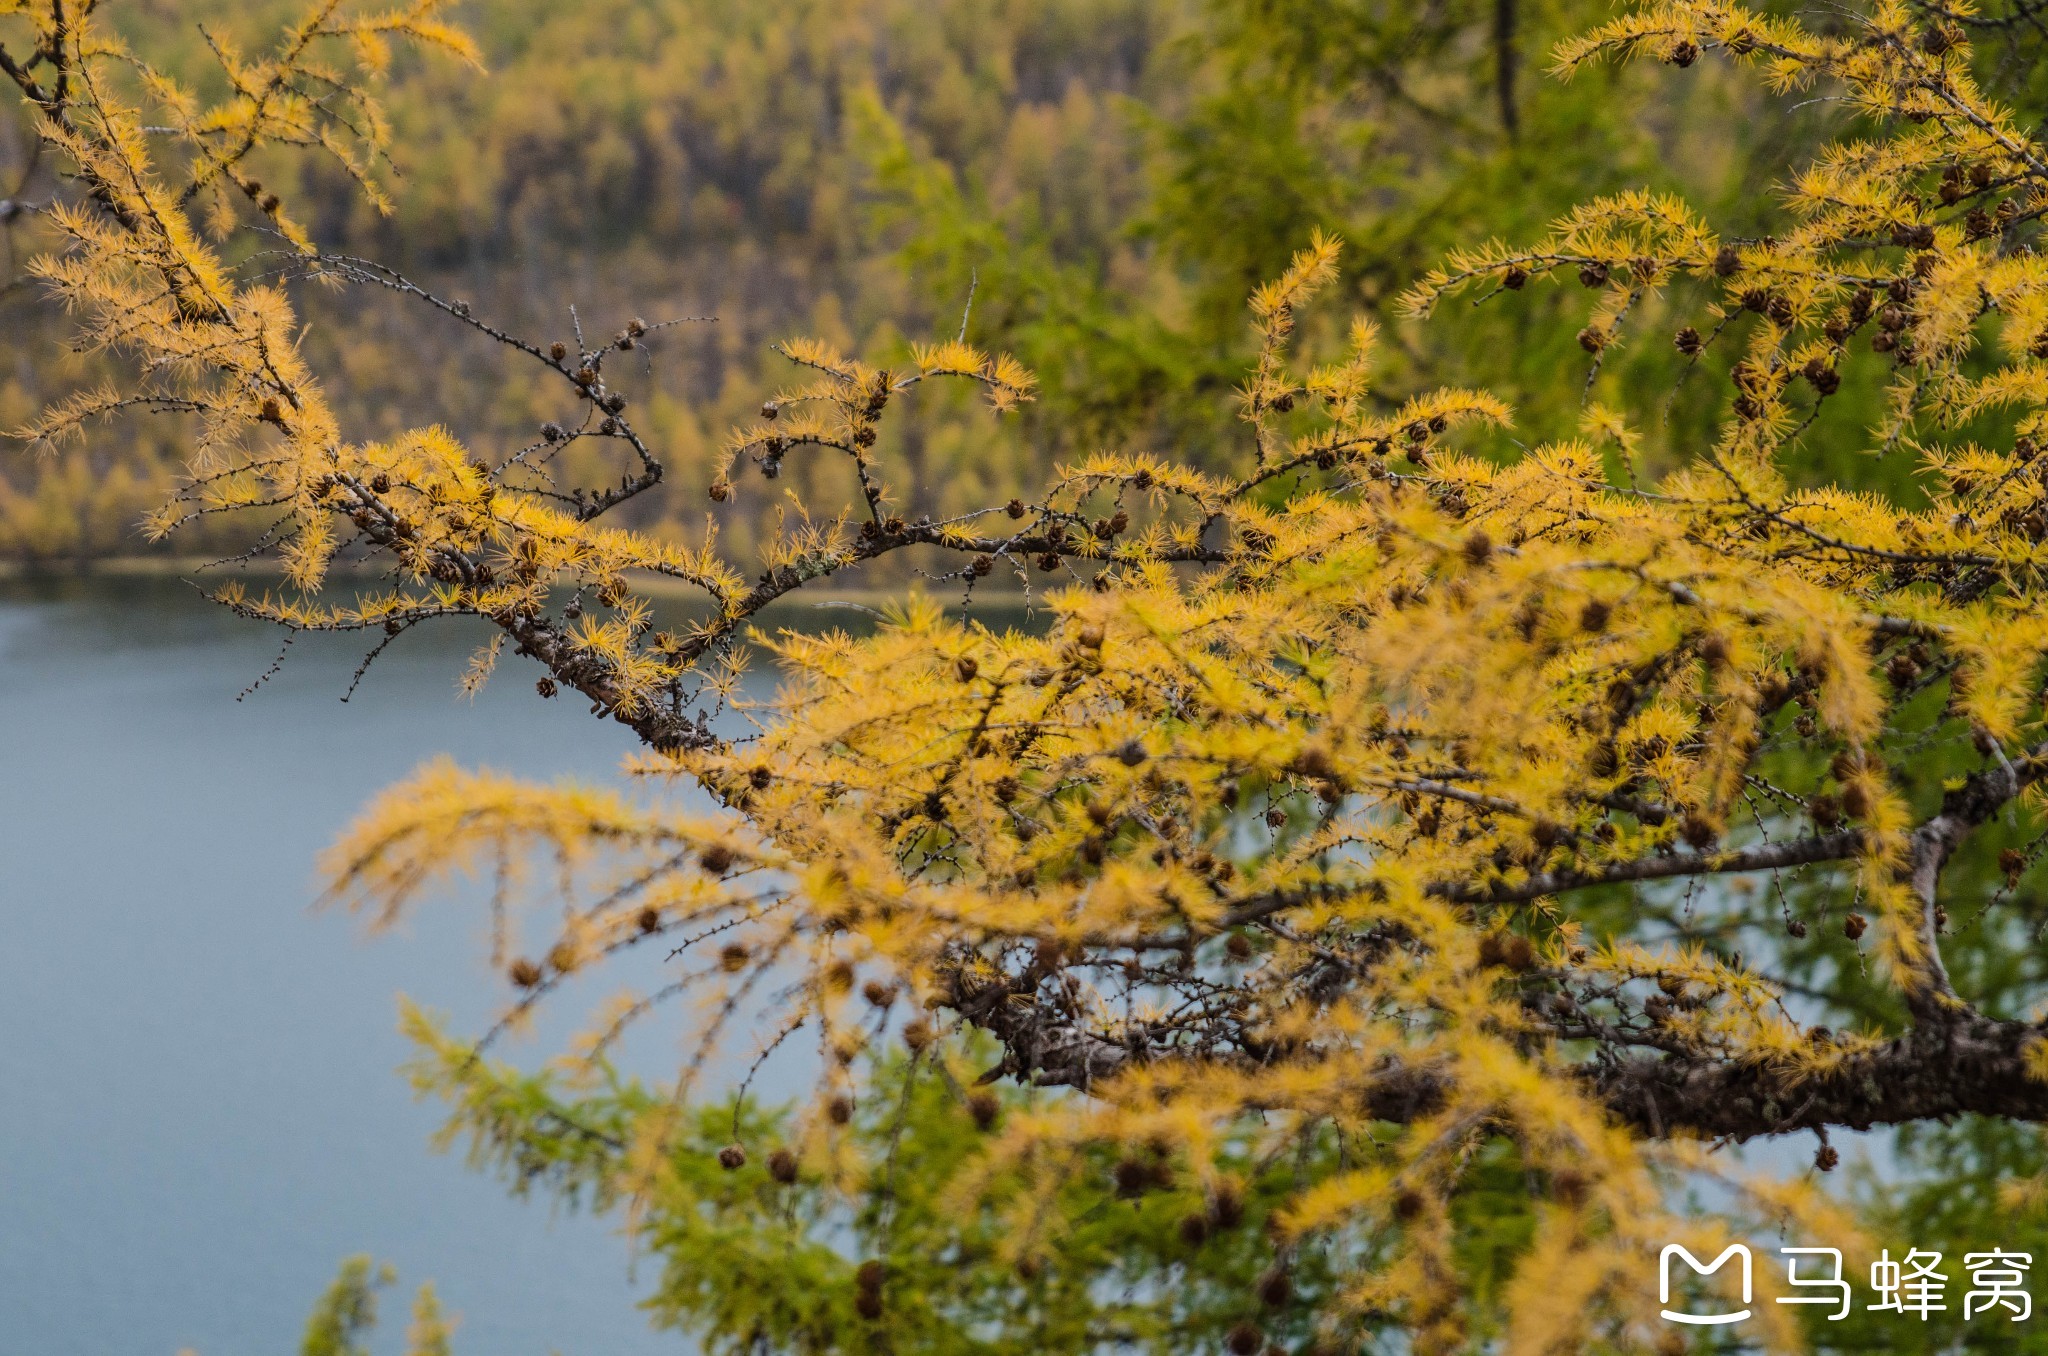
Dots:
(1972, 1065)
(1827, 847)
(1982, 795)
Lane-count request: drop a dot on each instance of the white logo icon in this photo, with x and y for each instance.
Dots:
(1664, 1281)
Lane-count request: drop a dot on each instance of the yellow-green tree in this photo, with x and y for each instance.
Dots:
(1110, 179)
(1444, 840)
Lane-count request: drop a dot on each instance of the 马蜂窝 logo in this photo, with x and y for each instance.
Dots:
(1671, 1250)
(1913, 1286)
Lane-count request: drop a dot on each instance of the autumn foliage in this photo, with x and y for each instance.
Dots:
(1325, 814)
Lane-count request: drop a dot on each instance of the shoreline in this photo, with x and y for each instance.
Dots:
(650, 586)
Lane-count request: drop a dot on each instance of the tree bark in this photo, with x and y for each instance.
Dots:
(1504, 66)
(1977, 1065)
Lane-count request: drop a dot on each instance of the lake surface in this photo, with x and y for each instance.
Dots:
(202, 1113)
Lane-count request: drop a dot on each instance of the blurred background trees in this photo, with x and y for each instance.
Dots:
(1109, 178)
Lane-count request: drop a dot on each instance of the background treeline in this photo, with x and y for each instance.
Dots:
(1117, 174)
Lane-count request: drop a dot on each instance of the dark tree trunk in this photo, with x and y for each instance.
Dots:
(1504, 64)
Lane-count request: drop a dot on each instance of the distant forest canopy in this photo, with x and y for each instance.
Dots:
(1109, 178)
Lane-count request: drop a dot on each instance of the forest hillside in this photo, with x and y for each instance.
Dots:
(1107, 179)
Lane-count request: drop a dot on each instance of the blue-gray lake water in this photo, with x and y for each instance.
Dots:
(202, 1114)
